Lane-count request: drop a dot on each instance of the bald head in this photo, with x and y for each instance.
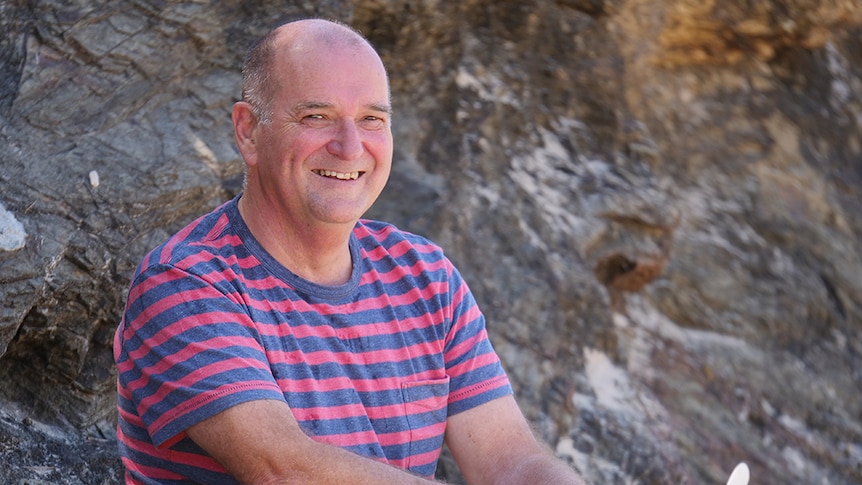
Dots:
(296, 38)
(319, 32)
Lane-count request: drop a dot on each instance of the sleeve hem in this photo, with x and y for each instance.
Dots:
(174, 425)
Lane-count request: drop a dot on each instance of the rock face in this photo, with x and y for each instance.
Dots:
(657, 203)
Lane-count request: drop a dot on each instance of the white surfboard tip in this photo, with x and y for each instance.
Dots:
(740, 475)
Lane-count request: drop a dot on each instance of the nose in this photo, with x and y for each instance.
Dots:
(347, 142)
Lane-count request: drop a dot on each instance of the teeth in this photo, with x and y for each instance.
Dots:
(338, 175)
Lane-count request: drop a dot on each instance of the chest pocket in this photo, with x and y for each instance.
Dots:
(425, 407)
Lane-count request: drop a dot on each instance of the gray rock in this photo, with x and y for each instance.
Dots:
(658, 205)
(12, 234)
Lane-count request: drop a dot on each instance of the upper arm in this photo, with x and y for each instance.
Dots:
(493, 443)
(261, 442)
(483, 438)
(254, 440)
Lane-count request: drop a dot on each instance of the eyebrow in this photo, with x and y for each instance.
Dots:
(312, 105)
(383, 108)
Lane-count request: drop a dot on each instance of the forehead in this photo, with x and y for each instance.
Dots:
(327, 70)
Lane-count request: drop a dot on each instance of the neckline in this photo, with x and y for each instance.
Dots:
(278, 270)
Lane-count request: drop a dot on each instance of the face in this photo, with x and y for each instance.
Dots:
(326, 154)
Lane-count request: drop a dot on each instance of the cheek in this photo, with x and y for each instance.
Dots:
(286, 152)
(307, 145)
(381, 149)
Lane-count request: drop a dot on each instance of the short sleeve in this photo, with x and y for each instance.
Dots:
(188, 351)
(476, 373)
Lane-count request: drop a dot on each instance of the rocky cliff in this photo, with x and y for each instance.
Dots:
(656, 202)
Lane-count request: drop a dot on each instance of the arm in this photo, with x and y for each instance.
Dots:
(260, 442)
(493, 444)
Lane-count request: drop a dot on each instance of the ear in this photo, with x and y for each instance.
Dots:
(244, 124)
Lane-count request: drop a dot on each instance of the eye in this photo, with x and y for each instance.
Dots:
(373, 122)
(315, 120)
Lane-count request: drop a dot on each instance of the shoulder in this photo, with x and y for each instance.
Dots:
(207, 239)
(388, 235)
(376, 237)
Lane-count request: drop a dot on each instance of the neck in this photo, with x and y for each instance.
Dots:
(317, 253)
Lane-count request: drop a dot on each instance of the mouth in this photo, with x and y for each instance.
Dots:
(338, 175)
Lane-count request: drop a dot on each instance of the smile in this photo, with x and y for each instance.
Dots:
(338, 175)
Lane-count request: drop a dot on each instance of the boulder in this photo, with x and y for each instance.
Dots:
(658, 205)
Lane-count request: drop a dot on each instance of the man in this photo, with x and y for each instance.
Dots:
(281, 339)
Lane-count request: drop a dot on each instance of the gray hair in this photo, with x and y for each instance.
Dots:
(257, 76)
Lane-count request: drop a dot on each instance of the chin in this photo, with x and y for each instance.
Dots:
(341, 218)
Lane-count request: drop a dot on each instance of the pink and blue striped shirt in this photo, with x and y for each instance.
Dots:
(374, 366)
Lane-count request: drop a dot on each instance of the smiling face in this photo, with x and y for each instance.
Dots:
(325, 154)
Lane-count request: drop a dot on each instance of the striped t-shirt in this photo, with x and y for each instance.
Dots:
(373, 366)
